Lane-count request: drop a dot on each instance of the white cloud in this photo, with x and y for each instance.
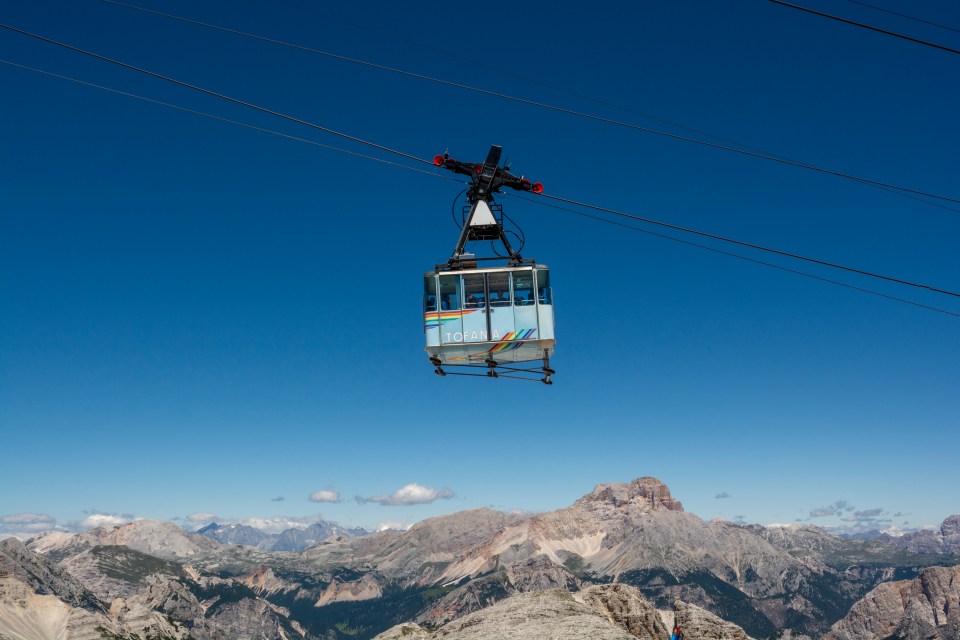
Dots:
(394, 525)
(894, 531)
(277, 524)
(26, 525)
(410, 494)
(325, 495)
(202, 517)
(834, 509)
(95, 520)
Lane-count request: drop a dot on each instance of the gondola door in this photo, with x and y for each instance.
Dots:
(525, 305)
(449, 317)
(475, 307)
(501, 312)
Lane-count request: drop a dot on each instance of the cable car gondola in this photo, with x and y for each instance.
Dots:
(493, 320)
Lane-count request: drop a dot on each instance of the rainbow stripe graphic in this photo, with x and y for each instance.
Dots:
(434, 319)
(511, 340)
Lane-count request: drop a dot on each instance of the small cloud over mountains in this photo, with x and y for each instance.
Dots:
(25, 525)
(410, 494)
(834, 509)
(277, 499)
(202, 517)
(854, 521)
(722, 495)
(96, 519)
(325, 495)
(277, 524)
(394, 525)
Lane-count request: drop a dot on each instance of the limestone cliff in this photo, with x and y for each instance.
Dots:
(925, 608)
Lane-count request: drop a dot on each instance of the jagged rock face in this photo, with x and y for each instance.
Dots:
(538, 574)
(249, 619)
(635, 526)
(641, 495)
(405, 631)
(603, 536)
(300, 539)
(57, 545)
(366, 588)
(624, 606)
(43, 577)
(592, 526)
(161, 539)
(27, 615)
(604, 612)
(116, 571)
(924, 608)
(797, 538)
(39, 600)
(237, 534)
(265, 582)
(945, 541)
(149, 597)
(542, 615)
(701, 624)
(432, 544)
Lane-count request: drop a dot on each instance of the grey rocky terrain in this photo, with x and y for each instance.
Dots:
(602, 612)
(926, 607)
(619, 545)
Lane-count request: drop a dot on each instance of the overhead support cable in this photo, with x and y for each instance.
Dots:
(555, 87)
(566, 200)
(902, 15)
(485, 65)
(751, 245)
(550, 107)
(212, 93)
(229, 121)
(866, 26)
(735, 255)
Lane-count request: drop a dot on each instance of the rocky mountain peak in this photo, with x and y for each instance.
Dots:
(162, 539)
(942, 541)
(950, 529)
(643, 494)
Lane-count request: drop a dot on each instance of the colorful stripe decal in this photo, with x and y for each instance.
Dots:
(433, 319)
(511, 341)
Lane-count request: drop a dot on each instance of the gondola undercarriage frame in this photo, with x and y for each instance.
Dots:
(493, 369)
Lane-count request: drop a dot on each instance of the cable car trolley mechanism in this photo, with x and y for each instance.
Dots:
(493, 321)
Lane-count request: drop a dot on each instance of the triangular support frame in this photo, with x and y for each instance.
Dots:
(482, 222)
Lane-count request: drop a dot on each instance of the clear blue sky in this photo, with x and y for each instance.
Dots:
(198, 317)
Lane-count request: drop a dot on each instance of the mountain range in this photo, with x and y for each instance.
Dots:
(619, 559)
(292, 539)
